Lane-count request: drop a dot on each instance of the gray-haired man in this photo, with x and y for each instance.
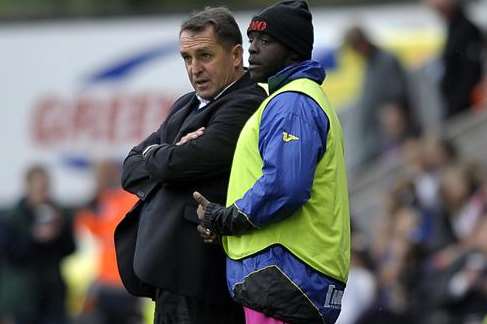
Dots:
(159, 251)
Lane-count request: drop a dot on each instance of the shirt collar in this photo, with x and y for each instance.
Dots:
(205, 102)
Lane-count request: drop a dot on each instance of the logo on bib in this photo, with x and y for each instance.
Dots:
(333, 298)
(286, 137)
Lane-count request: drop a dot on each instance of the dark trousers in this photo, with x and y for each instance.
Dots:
(175, 309)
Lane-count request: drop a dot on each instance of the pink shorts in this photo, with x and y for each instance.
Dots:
(253, 317)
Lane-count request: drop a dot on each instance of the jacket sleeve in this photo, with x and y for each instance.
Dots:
(292, 140)
(209, 155)
(135, 178)
(226, 221)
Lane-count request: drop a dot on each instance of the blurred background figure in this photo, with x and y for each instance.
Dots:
(401, 231)
(107, 300)
(435, 155)
(361, 290)
(32, 289)
(462, 63)
(480, 92)
(5, 318)
(396, 126)
(385, 116)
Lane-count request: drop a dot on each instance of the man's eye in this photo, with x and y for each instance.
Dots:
(264, 42)
(206, 56)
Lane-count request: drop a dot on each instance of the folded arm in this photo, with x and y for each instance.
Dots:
(135, 178)
(207, 156)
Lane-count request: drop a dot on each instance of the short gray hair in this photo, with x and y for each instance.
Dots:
(222, 20)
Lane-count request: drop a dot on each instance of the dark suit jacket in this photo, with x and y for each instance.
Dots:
(157, 243)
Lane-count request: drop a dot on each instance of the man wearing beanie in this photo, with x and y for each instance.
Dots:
(286, 228)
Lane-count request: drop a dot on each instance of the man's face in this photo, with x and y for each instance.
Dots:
(267, 56)
(211, 66)
(38, 188)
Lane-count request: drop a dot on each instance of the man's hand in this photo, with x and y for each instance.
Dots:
(220, 220)
(191, 136)
(205, 233)
(202, 204)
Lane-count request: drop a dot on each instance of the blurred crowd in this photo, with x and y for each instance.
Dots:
(389, 109)
(37, 234)
(425, 261)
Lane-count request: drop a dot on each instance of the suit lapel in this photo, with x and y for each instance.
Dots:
(177, 127)
(177, 119)
(197, 119)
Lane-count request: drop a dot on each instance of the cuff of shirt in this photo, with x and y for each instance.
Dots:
(149, 148)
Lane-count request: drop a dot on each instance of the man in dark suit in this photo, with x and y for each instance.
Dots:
(461, 58)
(159, 251)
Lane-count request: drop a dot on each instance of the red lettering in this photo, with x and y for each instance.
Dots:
(47, 125)
(258, 25)
(84, 119)
(138, 117)
(92, 123)
(111, 121)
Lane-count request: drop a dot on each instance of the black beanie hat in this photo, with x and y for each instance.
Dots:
(289, 22)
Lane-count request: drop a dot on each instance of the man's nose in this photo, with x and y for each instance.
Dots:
(252, 47)
(196, 68)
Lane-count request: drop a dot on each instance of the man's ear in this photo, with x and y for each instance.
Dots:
(237, 55)
(294, 57)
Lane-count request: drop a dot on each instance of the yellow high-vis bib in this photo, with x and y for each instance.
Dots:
(318, 233)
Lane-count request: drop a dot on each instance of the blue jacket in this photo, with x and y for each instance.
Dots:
(286, 185)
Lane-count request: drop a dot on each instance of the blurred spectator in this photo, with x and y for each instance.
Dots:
(435, 154)
(463, 200)
(480, 95)
(431, 155)
(4, 240)
(4, 244)
(396, 127)
(384, 91)
(401, 233)
(462, 56)
(40, 236)
(397, 265)
(480, 92)
(361, 285)
(107, 300)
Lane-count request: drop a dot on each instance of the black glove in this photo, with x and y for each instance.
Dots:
(220, 220)
(226, 221)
